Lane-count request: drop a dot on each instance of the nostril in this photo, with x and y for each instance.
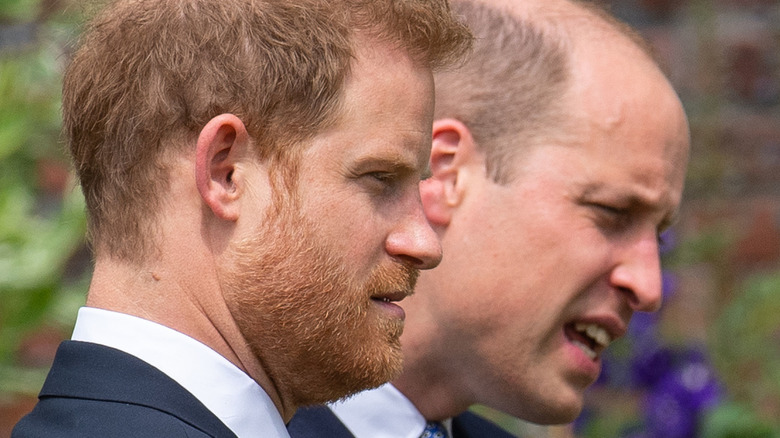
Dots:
(411, 261)
(633, 299)
(648, 302)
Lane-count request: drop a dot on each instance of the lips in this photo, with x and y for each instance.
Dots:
(591, 337)
(388, 297)
(385, 302)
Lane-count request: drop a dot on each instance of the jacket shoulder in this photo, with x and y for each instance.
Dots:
(65, 417)
(93, 390)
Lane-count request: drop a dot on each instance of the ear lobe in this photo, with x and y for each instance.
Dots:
(222, 142)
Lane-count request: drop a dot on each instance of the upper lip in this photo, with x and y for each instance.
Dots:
(613, 325)
(391, 296)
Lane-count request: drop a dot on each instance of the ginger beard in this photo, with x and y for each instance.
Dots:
(308, 320)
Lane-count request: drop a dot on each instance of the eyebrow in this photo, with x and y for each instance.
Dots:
(401, 160)
(395, 162)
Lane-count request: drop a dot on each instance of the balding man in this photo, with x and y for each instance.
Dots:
(559, 154)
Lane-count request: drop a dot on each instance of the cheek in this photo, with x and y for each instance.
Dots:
(362, 241)
(348, 227)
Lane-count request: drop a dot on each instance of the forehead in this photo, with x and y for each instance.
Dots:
(376, 72)
(625, 133)
(620, 98)
(386, 108)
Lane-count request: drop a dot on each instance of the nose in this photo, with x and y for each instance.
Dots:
(638, 273)
(413, 241)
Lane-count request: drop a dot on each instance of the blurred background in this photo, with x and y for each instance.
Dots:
(706, 365)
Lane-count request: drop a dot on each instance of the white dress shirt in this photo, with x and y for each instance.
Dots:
(236, 399)
(382, 413)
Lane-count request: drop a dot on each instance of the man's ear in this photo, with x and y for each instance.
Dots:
(222, 143)
(452, 148)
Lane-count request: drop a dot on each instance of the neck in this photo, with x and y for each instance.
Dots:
(188, 302)
(432, 399)
(430, 379)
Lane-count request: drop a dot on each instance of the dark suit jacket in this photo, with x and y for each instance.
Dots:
(97, 391)
(319, 421)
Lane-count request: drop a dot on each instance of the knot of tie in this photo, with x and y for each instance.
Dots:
(434, 429)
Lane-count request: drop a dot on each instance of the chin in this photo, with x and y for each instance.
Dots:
(546, 412)
(562, 413)
(348, 368)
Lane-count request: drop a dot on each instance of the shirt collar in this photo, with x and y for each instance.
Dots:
(383, 412)
(236, 399)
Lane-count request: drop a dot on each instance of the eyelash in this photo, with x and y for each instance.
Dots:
(621, 217)
(381, 182)
(383, 177)
(617, 217)
(610, 209)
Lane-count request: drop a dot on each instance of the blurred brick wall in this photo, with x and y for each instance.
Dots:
(723, 57)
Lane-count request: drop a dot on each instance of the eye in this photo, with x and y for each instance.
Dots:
(611, 217)
(381, 182)
(609, 209)
(382, 177)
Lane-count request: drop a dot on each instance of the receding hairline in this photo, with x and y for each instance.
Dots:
(571, 18)
(564, 30)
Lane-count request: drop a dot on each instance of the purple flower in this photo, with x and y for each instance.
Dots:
(582, 420)
(607, 365)
(643, 326)
(696, 376)
(667, 241)
(650, 364)
(633, 433)
(668, 284)
(676, 401)
(666, 414)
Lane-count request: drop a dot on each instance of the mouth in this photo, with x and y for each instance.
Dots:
(386, 302)
(389, 297)
(591, 338)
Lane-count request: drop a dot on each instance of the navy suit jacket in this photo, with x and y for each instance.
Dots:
(97, 391)
(321, 422)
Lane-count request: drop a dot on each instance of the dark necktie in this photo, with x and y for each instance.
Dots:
(434, 429)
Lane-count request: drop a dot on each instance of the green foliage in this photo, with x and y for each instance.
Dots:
(733, 420)
(18, 10)
(33, 253)
(747, 351)
(42, 221)
(706, 247)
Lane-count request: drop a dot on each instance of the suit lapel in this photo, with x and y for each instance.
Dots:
(317, 421)
(95, 372)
